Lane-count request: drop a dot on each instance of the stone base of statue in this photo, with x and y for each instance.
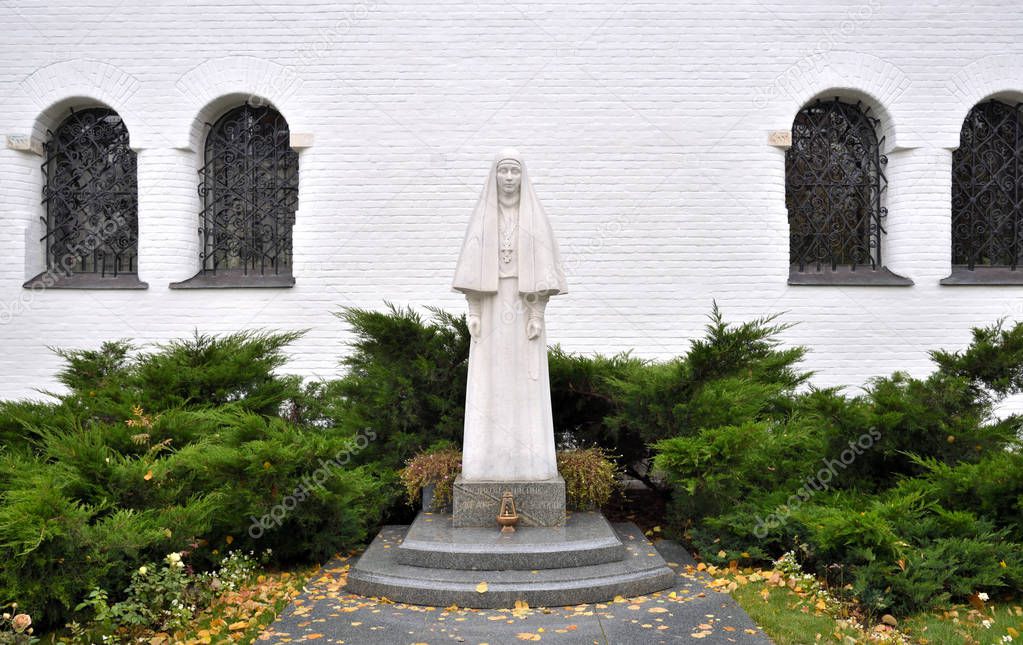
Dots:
(539, 503)
(585, 560)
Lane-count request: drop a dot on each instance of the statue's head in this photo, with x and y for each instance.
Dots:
(509, 172)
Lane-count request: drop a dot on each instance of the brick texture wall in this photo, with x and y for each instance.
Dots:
(645, 127)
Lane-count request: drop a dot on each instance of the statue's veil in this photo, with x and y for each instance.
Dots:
(539, 264)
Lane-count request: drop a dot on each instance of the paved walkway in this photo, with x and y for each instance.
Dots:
(691, 612)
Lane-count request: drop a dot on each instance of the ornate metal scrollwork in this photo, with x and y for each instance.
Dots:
(249, 188)
(833, 186)
(91, 196)
(987, 188)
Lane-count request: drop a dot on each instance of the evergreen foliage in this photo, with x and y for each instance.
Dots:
(905, 496)
(866, 488)
(405, 378)
(152, 452)
(736, 373)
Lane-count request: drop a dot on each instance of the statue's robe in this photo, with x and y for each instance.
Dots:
(509, 432)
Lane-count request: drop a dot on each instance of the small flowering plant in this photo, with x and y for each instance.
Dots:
(166, 596)
(158, 597)
(236, 570)
(16, 627)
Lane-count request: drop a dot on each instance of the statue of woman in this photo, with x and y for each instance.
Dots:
(508, 268)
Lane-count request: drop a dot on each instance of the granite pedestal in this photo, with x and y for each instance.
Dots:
(585, 538)
(435, 563)
(539, 503)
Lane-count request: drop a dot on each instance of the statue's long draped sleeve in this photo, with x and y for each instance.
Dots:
(509, 431)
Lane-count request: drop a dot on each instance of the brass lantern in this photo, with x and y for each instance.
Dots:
(507, 518)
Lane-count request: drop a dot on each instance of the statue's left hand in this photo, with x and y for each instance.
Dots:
(533, 329)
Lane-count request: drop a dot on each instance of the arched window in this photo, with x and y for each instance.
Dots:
(833, 192)
(987, 189)
(249, 188)
(91, 200)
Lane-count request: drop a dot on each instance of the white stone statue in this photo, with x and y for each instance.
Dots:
(508, 268)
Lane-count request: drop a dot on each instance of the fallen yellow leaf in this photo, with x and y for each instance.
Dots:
(482, 587)
(148, 476)
(528, 636)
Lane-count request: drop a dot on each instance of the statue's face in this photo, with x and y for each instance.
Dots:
(509, 177)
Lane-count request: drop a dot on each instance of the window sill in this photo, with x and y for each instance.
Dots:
(50, 280)
(844, 276)
(235, 279)
(963, 277)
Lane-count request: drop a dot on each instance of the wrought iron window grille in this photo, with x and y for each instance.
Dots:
(249, 190)
(90, 194)
(987, 196)
(834, 187)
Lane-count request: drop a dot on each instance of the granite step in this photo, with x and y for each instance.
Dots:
(585, 539)
(378, 574)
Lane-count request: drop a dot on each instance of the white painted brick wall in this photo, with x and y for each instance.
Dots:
(644, 125)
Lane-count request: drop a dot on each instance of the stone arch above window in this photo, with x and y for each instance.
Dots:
(90, 195)
(987, 196)
(834, 185)
(248, 184)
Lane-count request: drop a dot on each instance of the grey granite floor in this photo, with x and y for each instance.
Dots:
(691, 612)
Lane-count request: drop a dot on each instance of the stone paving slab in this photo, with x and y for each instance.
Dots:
(691, 612)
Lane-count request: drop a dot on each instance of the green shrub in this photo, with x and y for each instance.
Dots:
(719, 468)
(201, 371)
(583, 398)
(941, 417)
(293, 489)
(405, 379)
(590, 475)
(991, 488)
(438, 468)
(905, 495)
(735, 374)
(55, 547)
(909, 493)
(19, 418)
(106, 483)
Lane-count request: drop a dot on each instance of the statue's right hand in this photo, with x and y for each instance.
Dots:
(474, 326)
